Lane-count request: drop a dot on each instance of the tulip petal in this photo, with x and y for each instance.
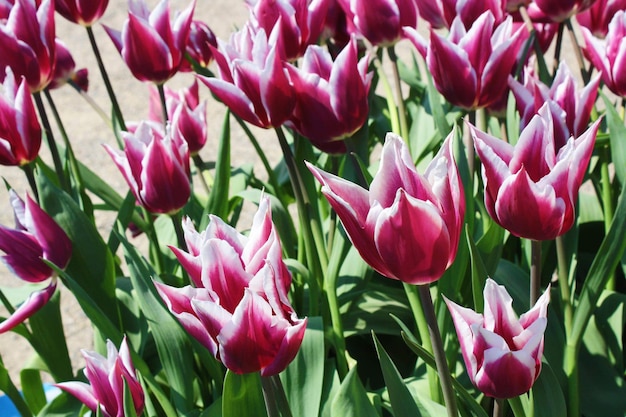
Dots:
(35, 301)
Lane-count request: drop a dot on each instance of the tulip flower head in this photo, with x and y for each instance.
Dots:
(531, 188)
(407, 226)
(470, 68)
(27, 41)
(557, 10)
(599, 15)
(441, 13)
(331, 97)
(82, 12)
(607, 54)
(107, 378)
(156, 168)
(502, 353)
(20, 132)
(65, 70)
(36, 237)
(201, 39)
(152, 46)
(238, 307)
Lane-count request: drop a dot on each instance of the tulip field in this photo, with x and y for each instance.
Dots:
(436, 228)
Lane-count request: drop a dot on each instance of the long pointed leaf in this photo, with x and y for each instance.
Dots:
(243, 396)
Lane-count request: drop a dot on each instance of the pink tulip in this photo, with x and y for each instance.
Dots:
(577, 105)
(156, 168)
(65, 70)
(381, 21)
(82, 12)
(107, 377)
(407, 226)
(238, 307)
(152, 46)
(35, 238)
(331, 97)
(470, 68)
(502, 353)
(557, 10)
(27, 41)
(441, 13)
(531, 188)
(252, 81)
(608, 55)
(20, 132)
(201, 39)
(599, 15)
(300, 25)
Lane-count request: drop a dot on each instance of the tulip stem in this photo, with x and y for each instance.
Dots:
(199, 163)
(607, 199)
(563, 275)
(276, 401)
(535, 271)
(438, 351)
(498, 407)
(105, 77)
(161, 90)
(577, 51)
(29, 171)
(155, 247)
(391, 106)
(571, 371)
(404, 129)
(177, 220)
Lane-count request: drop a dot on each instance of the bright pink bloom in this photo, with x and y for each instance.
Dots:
(156, 168)
(35, 301)
(82, 12)
(252, 80)
(331, 97)
(502, 352)
(152, 46)
(20, 132)
(470, 68)
(299, 22)
(577, 105)
(441, 13)
(381, 21)
(599, 15)
(27, 41)
(65, 70)
(557, 10)
(107, 377)
(407, 226)
(238, 307)
(201, 39)
(531, 188)
(607, 55)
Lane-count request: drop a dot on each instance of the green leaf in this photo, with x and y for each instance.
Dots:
(64, 405)
(32, 388)
(7, 386)
(243, 396)
(129, 406)
(218, 199)
(437, 108)
(479, 273)
(352, 399)
(617, 137)
(304, 377)
(547, 396)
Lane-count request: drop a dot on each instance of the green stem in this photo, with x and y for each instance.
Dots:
(404, 127)
(275, 399)
(155, 247)
(391, 105)
(105, 77)
(578, 51)
(563, 275)
(54, 151)
(498, 407)
(29, 170)
(269, 397)
(337, 325)
(177, 220)
(607, 199)
(558, 46)
(161, 89)
(438, 351)
(571, 372)
(535, 271)
(199, 163)
(516, 405)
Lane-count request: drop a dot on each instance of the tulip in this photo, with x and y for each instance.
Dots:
(238, 307)
(531, 188)
(381, 21)
(156, 168)
(65, 70)
(151, 45)
(557, 10)
(331, 97)
(300, 25)
(82, 12)
(36, 238)
(502, 353)
(252, 81)
(407, 226)
(107, 378)
(470, 68)
(20, 132)
(27, 41)
(201, 39)
(441, 13)
(607, 55)
(599, 15)
(577, 105)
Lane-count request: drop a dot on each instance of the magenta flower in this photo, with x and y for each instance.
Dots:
(107, 377)
(299, 22)
(82, 12)
(381, 21)
(531, 188)
(156, 168)
(470, 68)
(152, 46)
(201, 39)
(441, 13)
(252, 81)
(27, 41)
(238, 307)
(502, 353)
(65, 70)
(331, 97)
(407, 226)
(599, 15)
(36, 237)
(577, 105)
(20, 132)
(607, 55)
(557, 10)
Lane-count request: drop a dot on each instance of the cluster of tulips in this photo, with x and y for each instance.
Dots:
(405, 250)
